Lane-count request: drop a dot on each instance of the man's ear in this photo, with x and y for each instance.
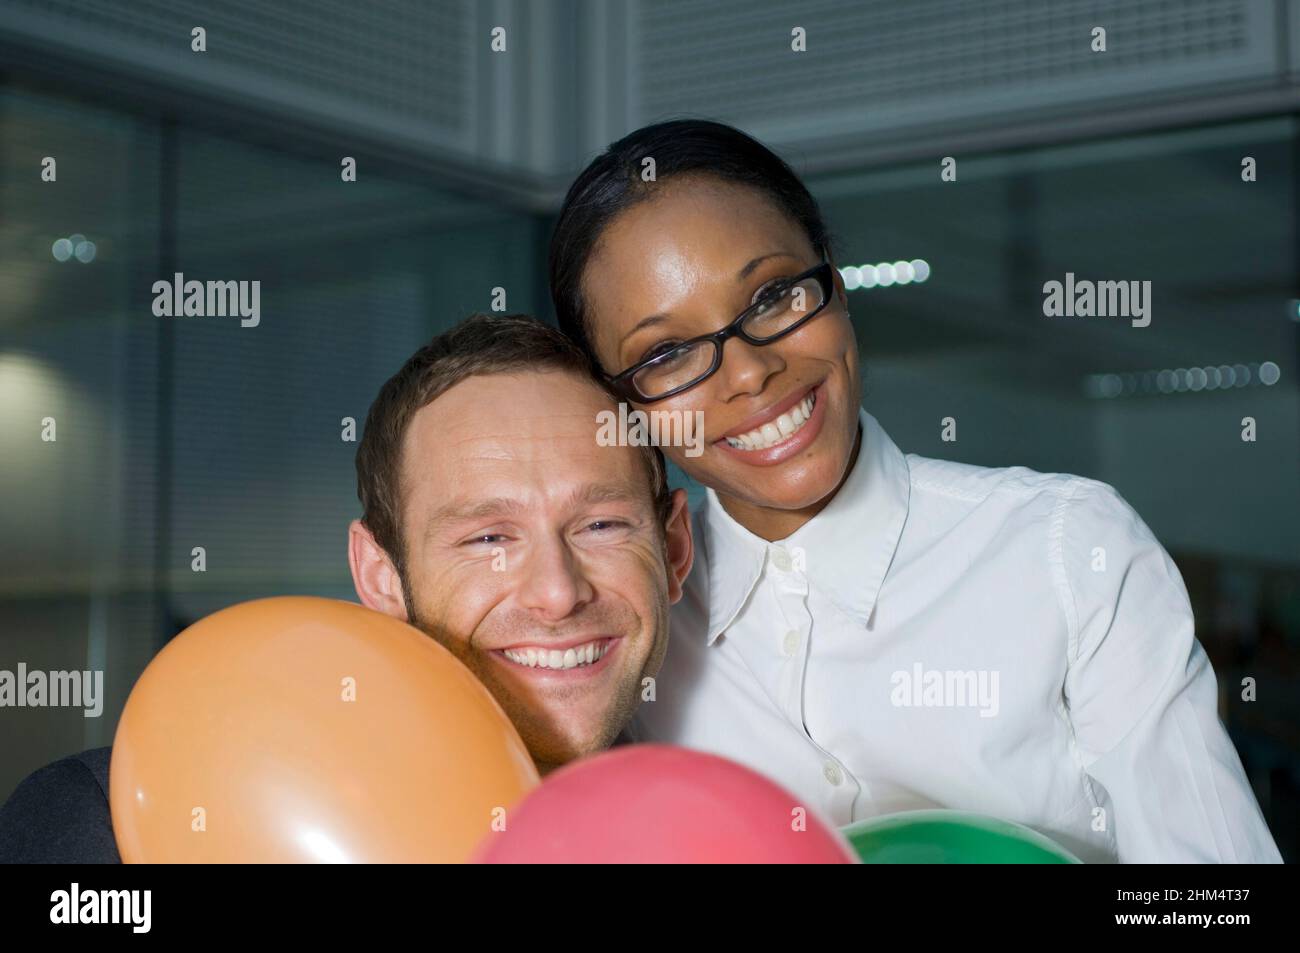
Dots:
(373, 574)
(680, 549)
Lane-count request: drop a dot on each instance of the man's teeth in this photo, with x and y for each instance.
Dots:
(586, 654)
(774, 431)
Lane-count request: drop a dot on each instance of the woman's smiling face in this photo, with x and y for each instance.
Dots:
(692, 257)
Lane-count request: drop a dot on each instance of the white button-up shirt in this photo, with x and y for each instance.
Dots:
(1002, 641)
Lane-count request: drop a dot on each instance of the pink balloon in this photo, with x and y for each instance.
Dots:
(657, 804)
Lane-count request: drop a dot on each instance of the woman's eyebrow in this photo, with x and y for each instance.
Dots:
(754, 263)
(740, 276)
(644, 323)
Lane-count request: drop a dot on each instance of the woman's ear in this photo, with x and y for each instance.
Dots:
(375, 577)
(840, 291)
(679, 552)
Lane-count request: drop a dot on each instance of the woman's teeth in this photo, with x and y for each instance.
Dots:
(774, 431)
(587, 654)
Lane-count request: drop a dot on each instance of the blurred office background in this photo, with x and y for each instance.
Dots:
(173, 434)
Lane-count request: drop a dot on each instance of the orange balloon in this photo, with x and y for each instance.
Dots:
(298, 729)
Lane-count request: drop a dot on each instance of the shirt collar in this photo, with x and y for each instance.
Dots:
(847, 548)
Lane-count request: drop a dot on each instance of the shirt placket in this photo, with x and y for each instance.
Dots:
(794, 634)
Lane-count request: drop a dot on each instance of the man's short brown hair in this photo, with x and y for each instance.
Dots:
(481, 344)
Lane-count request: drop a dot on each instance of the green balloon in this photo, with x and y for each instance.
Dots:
(951, 837)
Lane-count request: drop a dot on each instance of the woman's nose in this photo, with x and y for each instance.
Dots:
(746, 367)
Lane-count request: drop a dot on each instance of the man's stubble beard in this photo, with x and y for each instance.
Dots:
(540, 741)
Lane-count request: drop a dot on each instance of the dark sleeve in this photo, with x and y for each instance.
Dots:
(60, 815)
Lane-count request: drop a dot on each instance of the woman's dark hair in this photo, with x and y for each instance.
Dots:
(613, 182)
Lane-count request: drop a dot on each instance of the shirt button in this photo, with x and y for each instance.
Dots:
(791, 642)
(781, 559)
(831, 771)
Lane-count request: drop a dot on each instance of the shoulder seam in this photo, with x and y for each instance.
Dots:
(1056, 560)
(93, 776)
(948, 491)
(1004, 484)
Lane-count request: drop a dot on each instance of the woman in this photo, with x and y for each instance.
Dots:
(880, 631)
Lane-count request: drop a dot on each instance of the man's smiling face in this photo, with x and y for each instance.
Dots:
(535, 555)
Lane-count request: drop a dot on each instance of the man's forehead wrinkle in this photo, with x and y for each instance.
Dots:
(470, 445)
(500, 447)
(519, 448)
(573, 425)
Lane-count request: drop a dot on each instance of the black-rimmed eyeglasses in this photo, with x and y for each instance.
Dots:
(783, 309)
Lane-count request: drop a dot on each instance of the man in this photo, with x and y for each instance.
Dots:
(494, 520)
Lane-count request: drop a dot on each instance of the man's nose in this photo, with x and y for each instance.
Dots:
(554, 585)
